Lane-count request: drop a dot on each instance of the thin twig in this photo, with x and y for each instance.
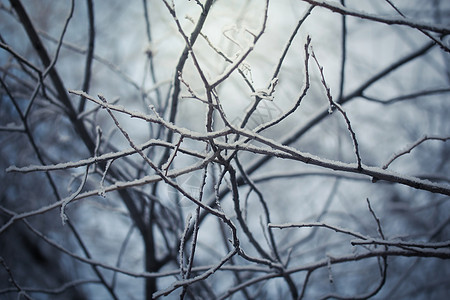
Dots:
(443, 47)
(230, 69)
(409, 148)
(334, 104)
(386, 20)
(380, 230)
(410, 96)
(20, 290)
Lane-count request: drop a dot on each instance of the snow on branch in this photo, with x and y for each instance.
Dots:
(338, 8)
(102, 158)
(282, 151)
(156, 119)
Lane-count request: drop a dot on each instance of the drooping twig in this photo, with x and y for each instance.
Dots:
(72, 196)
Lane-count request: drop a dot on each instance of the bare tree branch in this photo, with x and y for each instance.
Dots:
(386, 20)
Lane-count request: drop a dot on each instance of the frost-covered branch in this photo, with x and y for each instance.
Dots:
(206, 184)
(337, 8)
